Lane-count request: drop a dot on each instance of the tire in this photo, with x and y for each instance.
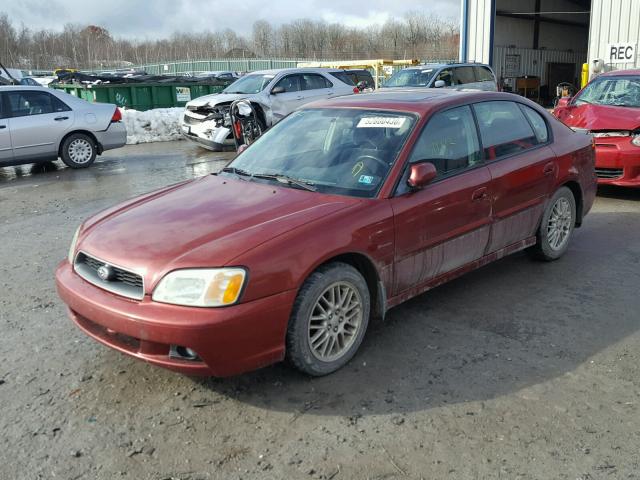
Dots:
(78, 150)
(339, 331)
(556, 227)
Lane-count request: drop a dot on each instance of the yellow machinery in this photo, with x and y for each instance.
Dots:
(381, 68)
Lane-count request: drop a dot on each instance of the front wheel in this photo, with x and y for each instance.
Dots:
(329, 319)
(556, 227)
(78, 151)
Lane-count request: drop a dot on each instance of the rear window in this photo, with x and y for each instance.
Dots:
(504, 129)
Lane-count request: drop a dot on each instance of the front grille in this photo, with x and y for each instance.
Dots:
(609, 173)
(122, 282)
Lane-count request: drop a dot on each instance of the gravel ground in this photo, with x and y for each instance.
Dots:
(520, 370)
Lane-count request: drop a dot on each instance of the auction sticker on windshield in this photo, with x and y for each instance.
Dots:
(381, 122)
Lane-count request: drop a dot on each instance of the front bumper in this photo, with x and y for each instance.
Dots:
(206, 134)
(228, 341)
(113, 137)
(617, 162)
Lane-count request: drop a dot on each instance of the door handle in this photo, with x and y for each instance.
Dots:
(59, 119)
(2, 126)
(549, 168)
(479, 194)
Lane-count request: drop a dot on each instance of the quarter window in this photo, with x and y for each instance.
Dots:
(504, 129)
(538, 123)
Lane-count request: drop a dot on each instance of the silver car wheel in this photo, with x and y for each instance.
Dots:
(335, 321)
(559, 224)
(80, 151)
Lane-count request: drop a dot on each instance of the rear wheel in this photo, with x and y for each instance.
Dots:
(78, 150)
(556, 227)
(328, 320)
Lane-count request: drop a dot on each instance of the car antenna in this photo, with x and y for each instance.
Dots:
(13, 80)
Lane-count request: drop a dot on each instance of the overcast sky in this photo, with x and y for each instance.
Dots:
(159, 18)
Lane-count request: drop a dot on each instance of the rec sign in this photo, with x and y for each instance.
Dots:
(621, 53)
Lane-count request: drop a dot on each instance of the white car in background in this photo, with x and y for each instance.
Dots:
(273, 93)
(40, 125)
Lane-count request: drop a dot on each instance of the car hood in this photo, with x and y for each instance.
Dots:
(216, 98)
(601, 117)
(202, 223)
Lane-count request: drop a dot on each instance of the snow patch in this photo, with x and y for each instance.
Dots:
(157, 125)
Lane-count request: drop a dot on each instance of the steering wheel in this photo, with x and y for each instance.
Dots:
(379, 161)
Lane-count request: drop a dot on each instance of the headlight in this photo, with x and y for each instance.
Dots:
(636, 140)
(72, 247)
(215, 287)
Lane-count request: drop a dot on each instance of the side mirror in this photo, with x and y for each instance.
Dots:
(439, 84)
(242, 148)
(277, 90)
(421, 174)
(563, 101)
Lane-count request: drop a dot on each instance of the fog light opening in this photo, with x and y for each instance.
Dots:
(184, 353)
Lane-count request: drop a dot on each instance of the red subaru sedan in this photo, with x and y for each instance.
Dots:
(609, 108)
(341, 211)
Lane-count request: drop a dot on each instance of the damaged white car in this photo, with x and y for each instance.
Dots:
(272, 93)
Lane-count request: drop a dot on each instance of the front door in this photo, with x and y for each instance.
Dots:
(38, 122)
(445, 225)
(522, 167)
(282, 104)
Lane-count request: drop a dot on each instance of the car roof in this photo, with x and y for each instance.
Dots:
(618, 73)
(422, 66)
(6, 88)
(419, 100)
(276, 71)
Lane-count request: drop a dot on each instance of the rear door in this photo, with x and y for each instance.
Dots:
(516, 141)
(485, 79)
(6, 153)
(38, 122)
(445, 225)
(315, 86)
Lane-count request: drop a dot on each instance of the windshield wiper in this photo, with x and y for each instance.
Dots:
(288, 180)
(268, 176)
(237, 171)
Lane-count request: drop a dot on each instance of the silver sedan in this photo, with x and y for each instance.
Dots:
(40, 124)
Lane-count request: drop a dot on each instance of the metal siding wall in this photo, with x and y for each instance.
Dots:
(614, 21)
(479, 39)
(534, 62)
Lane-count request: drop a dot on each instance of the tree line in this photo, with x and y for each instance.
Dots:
(416, 35)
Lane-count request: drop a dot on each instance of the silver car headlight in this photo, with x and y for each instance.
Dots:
(72, 247)
(636, 140)
(201, 287)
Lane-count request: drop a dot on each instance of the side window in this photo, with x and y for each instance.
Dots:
(483, 74)
(30, 102)
(2, 111)
(537, 122)
(446, 76)
(504, 129)
(344, 77)
(449, 141)
(313, 81)
(463, 75)
(290, 83)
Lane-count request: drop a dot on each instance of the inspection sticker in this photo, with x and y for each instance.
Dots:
(381, 122)
(367, 179)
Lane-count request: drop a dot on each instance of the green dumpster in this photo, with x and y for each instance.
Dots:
(141, 96)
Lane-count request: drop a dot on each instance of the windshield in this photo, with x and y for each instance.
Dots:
(342, 151)
(249, 84)
(614, 91)
(410, 77)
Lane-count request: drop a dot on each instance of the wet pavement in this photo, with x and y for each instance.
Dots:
(520, 370)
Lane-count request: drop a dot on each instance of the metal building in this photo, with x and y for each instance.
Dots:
(545, 42)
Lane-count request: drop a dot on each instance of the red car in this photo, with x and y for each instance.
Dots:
(341, 211)
(609, 108)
